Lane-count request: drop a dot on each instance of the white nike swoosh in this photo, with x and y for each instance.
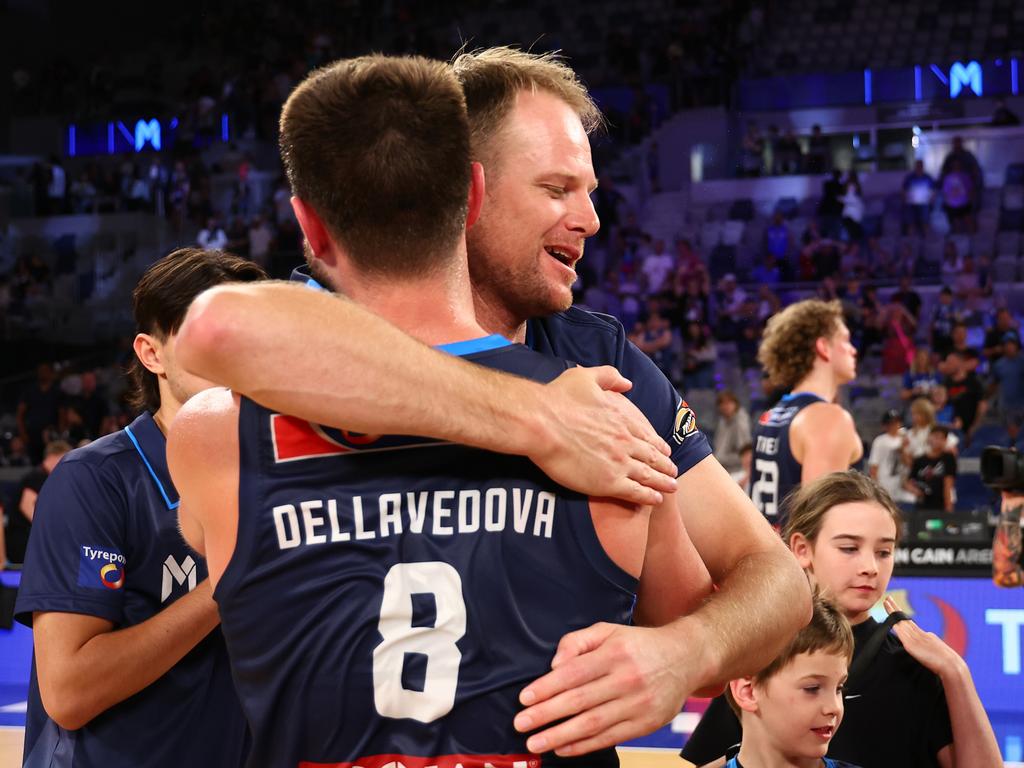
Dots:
(853, 696)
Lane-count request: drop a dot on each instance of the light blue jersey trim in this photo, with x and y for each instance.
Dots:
(471, 346)
(159, 485)
(311, 283)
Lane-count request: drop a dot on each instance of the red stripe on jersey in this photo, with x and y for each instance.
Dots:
(297, 439)
(441, 761)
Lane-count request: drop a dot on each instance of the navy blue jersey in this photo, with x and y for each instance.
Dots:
(775, 472)
(389, 597)
(826, 762)
(590, 339)
(105, 543)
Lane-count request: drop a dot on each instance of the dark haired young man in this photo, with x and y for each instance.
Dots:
(129, 668)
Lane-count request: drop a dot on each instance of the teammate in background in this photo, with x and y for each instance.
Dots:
(806, 349)
(790, 710)
(910, 698)
(528, 115)
(129, 668)
(426, 582)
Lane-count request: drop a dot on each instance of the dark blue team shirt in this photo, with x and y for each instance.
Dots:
(775, 472)
(826, 762)
(389, 597)
(105, 543)
(590, 339)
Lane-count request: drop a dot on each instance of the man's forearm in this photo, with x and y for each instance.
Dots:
(1007, 547)
(757, 609)
(112, 666)
(344, 361)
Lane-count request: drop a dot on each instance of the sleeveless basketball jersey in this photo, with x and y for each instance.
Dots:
(775, 472)
(389, 597)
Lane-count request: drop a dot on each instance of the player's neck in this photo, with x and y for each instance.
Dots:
(436, 309)
(496, 316)
(820, 381)
(757, 753)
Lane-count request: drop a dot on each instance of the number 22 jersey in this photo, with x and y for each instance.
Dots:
(389, 597)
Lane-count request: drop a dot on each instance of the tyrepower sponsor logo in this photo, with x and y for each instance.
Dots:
(100, 568)
(441, 761)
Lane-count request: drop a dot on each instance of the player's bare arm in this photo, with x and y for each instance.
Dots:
(322, 358)
(615, 683)
(202, 456)
(824, 439)
(1007, 543)
(85, 665)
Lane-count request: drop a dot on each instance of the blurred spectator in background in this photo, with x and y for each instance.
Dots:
(777, 239)
(699, 355)
(752, 151)
(19, 522)
(607, 200)
(261, 240)
(790, 156)
(732, 434)
(15, 453)
(688, 264)
(939, 398)
(968, 163)
(944, 316)
(654, 338)
(1004, 323)
(853, 208)
(898, 330)
(91, 404)
(918, 193)
(885, 463)
(922, 419)
(658, 268)
(212, 236)
(958, 344)
(83, 194)
(830, 208)
(922, 377)
(729, 300)
(932, 475)
(56, 188)
(818, 155)
(693, 304)
(958, 197)
(908, 297)
(1008, 378)
(1003, 115)
(965, 392)
(39, 410)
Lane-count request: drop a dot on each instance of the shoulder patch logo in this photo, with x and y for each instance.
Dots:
(685, 422)
(100, 568)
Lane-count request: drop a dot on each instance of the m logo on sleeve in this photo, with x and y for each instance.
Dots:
(100, 568)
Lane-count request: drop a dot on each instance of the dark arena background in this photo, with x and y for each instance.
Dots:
(757, 153)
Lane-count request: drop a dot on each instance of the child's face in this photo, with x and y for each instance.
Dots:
(852, 558)
(801, 705)
(936, 442)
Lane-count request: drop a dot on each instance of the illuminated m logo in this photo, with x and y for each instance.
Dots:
(174, 573)
(961, 75)
(147, 132)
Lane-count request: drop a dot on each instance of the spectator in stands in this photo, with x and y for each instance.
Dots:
(933, 475)
(908, 297)
(39, 410)
(767, 272)
(830, 208)
(853, 208)
(693, 303)
(885, 463)
(212, 236)
(944, 316)
(752, 151)
(658, 269)
(732, 434)
(965, 391)
(178, 196)
(959, 345)
(1003, 115)
(56, 188)
(261, 240)
(15, 454)
(960, 193)
(790, 155)
(688, 264)
(922, 419)
(699, 356)
(967, 160)
(607, 200)
(918, 193)
(939, 398)
(777, 239)
(818, 158)
(1008, 378)
(898, 330)
(729, 300)
(19, 522)
(994, 337)
(83, 194)
(922, 377)
(91, 404)
(654, 338)
(238, 237)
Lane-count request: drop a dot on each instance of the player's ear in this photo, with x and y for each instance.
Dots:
(476, 194)
(312, 227)
(148, 349)
(821, 346)
(802, 548)
(744, 693)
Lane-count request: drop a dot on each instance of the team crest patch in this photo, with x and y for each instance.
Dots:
(100, 568)
(685, 423)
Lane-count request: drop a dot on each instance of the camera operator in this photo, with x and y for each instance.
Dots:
(1002, 469)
